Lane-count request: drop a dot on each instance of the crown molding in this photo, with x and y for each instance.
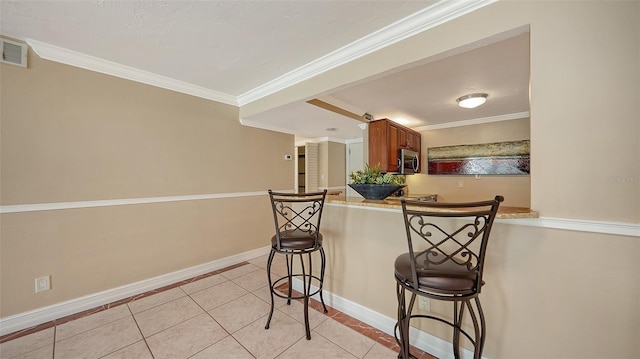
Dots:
(77, 59)
(476, 121)
(420, 21)
(416, 23)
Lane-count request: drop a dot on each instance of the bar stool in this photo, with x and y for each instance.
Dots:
(297, 220)
(445, 262)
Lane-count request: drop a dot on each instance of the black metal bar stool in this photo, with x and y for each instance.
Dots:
(297, 220)
(445, 262)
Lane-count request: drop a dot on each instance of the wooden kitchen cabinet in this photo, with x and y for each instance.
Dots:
(408, 139)
(385, 139)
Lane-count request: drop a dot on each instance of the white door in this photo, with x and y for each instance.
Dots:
(355, 161)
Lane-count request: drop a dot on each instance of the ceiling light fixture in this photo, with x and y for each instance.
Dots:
(473, 100)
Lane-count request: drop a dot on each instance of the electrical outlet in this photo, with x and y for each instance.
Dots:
(424, 303)
(43, 283)
(460, 184)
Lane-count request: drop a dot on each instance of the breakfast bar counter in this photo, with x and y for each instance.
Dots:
(392, 203)
(363, 238)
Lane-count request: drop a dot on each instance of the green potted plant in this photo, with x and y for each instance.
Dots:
(371, 183)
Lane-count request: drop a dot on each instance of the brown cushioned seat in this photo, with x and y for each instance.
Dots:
(297, 240)
(442, 278)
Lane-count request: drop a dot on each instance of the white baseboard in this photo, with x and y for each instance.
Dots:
(42, 315)
(422, 340)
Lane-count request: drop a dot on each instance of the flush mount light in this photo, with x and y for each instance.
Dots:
(473, 100)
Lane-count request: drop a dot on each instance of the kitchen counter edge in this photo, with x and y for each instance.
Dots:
(504, 212)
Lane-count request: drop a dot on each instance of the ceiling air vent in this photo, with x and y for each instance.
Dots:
(14, 53)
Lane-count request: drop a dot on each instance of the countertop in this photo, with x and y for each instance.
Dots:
(504, 212)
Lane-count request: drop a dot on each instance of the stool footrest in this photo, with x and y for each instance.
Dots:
(290, 296)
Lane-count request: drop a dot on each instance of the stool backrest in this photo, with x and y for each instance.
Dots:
(295, 213)
(455, 247)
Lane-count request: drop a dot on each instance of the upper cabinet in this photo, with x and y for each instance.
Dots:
(385, 139)
(408, 139)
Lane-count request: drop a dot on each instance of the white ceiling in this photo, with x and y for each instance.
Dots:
(237, 51)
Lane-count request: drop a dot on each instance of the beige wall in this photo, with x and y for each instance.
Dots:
(73, 135)
(548, 293)
(337, 164)
(515, 189)
(332, 164)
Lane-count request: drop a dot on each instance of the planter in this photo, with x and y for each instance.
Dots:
(375, 191)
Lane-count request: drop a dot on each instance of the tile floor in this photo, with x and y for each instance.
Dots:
(219, 315)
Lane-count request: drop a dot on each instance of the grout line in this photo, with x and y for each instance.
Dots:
(53, 350)
(141, 333)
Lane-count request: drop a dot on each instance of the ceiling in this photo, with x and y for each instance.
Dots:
(238, 51)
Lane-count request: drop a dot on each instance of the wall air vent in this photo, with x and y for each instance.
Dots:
(14, 53)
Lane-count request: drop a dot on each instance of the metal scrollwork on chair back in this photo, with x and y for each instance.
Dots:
(297, 214)
(443, 245)
(305, 219)
(449, 238)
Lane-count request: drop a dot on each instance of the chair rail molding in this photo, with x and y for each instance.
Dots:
(605, 227)
(17, 208)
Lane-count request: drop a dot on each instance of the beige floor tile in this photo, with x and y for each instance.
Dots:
(27, 343)
(267, 344)
(227, 348)
(155, 300)
(318, 347)
(41, 353)
(379, 351)
(239, 271)
(92, 321)
(187, 338)
(253, 280)
(100, 341)
(240, 312)
(203, 283)
(260, 261)
(263, 293)
(138, 350)
(347, 338)
(278, 268)
(218, 295)
(296, 311)
(167, 315)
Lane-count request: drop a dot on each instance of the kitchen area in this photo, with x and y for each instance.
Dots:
(421, 185)
(414, 110)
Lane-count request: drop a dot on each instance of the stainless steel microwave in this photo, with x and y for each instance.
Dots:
(408, 162)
